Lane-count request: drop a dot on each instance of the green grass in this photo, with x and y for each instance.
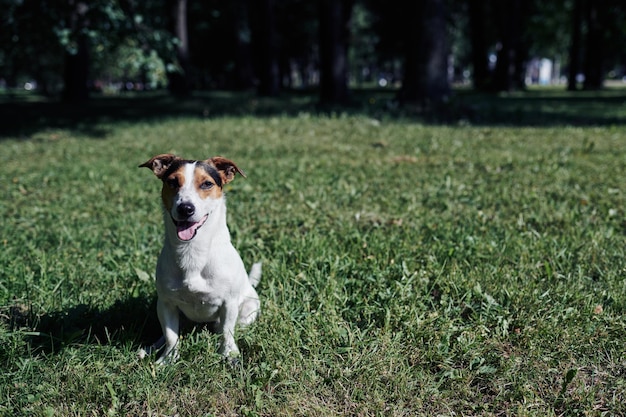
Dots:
(410, 269)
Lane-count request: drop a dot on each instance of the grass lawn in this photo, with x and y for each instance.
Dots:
(411, 267)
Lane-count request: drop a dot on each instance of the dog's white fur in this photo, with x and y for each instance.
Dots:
(203, 277)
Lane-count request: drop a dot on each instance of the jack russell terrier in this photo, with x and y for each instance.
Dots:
(199, 272)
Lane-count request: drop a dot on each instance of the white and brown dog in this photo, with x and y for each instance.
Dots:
(199, 272)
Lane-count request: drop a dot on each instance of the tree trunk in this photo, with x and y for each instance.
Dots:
(479, 46)
(574, 51)
(594, 57)
(267, 61)
(509, 71)
(426, 62)
(180, 80)
(76, 72)
(244, 75)
(334, 32)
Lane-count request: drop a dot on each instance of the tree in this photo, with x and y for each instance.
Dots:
(267, 61)
(76, 73)
(426, 57)
(71, 45)
(575, 46)
(67, 46)
(605, 21)
(334, 32)
(594, 46)
(244, 73)
(29, 48)
(180, 79)
(512, 53)
(478, 41)
(297, 38)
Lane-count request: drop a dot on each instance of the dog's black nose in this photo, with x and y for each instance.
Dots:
(186, 210)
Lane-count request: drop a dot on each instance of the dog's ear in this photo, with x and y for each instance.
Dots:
(226, 168)
(160, 163)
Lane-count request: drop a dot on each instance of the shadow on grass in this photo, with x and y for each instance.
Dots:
(24, 116)
(133, 321)
(548, 108)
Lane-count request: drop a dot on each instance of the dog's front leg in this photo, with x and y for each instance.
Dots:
(169, 319)
(228, 319)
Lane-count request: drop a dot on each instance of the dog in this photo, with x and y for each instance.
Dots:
(199, 272)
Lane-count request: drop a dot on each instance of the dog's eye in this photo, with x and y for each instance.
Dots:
(172, 182)
(207, 185)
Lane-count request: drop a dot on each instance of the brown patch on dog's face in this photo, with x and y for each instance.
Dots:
(171, 184)
(205, 184)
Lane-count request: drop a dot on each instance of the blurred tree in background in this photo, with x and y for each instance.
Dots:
(334, 32)
(69, 48)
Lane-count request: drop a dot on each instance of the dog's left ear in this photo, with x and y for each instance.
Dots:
(160, 163)
(226, 168)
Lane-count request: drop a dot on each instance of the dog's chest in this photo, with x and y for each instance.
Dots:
(198, 298)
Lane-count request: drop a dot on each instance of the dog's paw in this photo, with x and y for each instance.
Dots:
(169, 358)
(232, 361)
(146, 351)
(230, 356)
(142, 353)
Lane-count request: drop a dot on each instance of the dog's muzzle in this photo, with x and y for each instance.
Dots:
(186, 230)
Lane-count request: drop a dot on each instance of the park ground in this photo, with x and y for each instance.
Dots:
(461, 261)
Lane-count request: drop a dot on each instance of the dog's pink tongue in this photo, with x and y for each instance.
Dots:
(187, 230)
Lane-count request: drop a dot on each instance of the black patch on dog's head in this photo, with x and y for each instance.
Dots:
(174, 166)
(212, 171)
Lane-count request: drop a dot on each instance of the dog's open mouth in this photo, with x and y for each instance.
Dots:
(187, 230)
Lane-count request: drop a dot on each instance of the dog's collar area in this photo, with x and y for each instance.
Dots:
(186, 230)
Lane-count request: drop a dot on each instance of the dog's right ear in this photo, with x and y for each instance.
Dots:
(160, 163)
